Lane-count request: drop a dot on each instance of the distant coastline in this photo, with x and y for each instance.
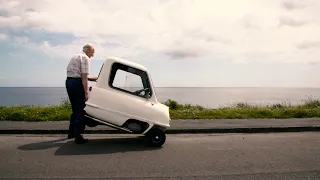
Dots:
(285, 87)
(208, 97)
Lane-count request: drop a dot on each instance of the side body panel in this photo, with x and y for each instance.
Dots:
(116, 107)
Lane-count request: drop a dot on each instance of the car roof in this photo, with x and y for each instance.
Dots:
(126, 62)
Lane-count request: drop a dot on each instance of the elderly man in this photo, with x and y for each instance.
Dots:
(77, 89)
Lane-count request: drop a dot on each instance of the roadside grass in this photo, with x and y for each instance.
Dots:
(60, 112)
(310, 108)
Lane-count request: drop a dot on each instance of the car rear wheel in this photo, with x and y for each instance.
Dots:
(156, 137)
(91, 123)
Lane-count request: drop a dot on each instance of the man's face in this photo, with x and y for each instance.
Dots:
(91, 53)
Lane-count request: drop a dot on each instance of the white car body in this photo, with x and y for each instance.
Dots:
(115, 106)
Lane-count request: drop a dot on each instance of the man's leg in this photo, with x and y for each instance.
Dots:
(71, 126)
(71, 95)
(79, 123)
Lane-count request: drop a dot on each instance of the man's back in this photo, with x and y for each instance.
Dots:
(78, 64)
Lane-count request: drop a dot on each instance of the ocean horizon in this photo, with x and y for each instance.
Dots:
(209, 97)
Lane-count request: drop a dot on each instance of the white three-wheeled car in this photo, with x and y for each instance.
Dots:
(124, 98)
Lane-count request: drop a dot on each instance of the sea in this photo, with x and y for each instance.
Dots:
(208, 97)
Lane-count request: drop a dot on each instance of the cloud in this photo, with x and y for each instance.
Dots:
(3, 37)
(293, 4)
(182, 29)
(4, 4)
(308, 45)
(250, 22)
(207, 36)
(288, 21)
(183, 53)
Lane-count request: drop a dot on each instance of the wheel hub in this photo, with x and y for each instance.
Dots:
(157, 138)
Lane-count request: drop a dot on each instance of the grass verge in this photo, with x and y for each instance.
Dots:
(309, 109)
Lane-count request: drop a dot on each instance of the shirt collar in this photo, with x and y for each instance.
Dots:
(84, 54)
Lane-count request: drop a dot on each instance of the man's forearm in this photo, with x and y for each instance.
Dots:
(85, 83)
(85, 86)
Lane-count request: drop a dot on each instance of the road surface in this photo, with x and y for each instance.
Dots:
(185, 156)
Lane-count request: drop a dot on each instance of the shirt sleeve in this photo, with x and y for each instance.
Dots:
(85, 66)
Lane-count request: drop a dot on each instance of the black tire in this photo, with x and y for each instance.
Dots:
(156, 138)
(91, 123)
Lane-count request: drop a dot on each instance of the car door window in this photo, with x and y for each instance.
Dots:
(130, 80)
(127, 81)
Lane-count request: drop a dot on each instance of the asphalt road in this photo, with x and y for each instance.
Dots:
(207, 156)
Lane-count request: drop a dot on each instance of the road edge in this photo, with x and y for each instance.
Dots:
(174, 131)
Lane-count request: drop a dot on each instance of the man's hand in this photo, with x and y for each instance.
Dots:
(86, 97)
(93, 79)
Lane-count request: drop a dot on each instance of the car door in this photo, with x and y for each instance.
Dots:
(131, 88)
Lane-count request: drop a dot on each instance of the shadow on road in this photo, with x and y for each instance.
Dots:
(94, 146)
(42, 145)
(104, 146)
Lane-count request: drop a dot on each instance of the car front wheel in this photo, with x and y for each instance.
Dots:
(156, 137)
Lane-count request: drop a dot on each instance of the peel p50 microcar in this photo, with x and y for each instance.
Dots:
(124, 98)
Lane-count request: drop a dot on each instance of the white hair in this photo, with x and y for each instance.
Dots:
(86, 48)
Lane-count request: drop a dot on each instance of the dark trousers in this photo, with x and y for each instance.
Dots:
(77, 99)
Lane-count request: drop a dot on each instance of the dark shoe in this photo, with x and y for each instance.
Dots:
(80, 140)
(70, 136)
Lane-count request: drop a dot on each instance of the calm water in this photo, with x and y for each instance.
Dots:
(207, 97)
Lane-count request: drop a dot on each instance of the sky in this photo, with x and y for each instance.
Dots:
(183, 43)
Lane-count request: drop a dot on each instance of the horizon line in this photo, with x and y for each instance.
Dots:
(178, 87)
